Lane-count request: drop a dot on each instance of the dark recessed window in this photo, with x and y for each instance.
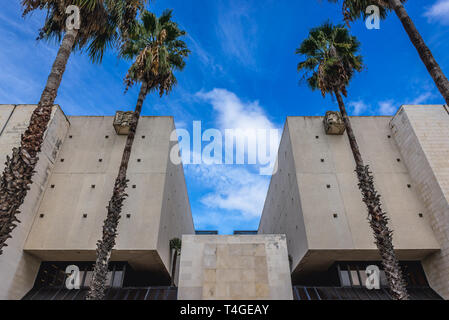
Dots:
(317, 137)
(389, 137)
(100, 160)
(134, 186)
(62, 160)
(52, 186)
(409, 186)
(128, 216)
(41, 215)
(328, 186)
(92, 186)
(322, 160)
(85, 215)
(143, 137)
(70, 137)
(139, 160)
(398, 160)
(335, 215)
(421, 215)
(106, 137)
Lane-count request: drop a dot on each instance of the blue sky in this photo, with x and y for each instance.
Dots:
(242, 69)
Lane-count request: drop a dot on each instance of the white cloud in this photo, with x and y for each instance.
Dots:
(358, 107)
(245, 119)
(234, 113)
(235, 189)
(238, 31)
(422, 98)
(387, 108)
(439, 12)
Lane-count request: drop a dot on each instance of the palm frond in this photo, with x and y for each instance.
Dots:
(157, 51)
(104, 23)
(331, 58)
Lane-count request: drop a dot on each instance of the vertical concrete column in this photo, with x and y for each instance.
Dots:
(17, 268)
(422, 135)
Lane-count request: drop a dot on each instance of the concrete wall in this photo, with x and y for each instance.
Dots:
(177, 219)
(157, 203)
(18, 269)
(313, 161)
(282, 213)
(234, 268)
(422, 135)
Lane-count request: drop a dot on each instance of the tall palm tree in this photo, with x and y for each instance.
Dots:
(102, 23)
(158, 51)
(175, 245)
(331, 60)
(354, 9)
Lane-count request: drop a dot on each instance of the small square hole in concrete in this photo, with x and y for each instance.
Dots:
(328, 186)
(52, 186)
(409, 186)
(41, 215)
(85, 215)
(322, 160)
(139, 160)
(389, 137)
(134, 186)
(62, 160)
(421, 215)
(335, 216)
(128, 216)
(398, 160)
(92, 186)
(70, 137)
(106, 137)
(100, 160)
(317, 137)
(143, 137)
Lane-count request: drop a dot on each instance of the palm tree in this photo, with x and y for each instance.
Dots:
(158, 51)
(331, 60)
(175, 245)
(354, 9)
(102, 23)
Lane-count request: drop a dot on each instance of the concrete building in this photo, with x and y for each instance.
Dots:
(313, 242)
(243, 267)
(315, 201)
(63, 213)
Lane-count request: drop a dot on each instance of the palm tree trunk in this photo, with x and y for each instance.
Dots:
(17, 175)
(105, 246)
(424, 52)
(173, 268)
(377, 218)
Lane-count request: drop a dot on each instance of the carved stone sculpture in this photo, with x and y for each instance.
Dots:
(122, 122)
(333, 123)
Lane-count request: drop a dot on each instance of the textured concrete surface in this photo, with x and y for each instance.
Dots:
(63, 213)
(422, 135)
(234, 268)
(315, 201)
(81, 184)
(17, 268)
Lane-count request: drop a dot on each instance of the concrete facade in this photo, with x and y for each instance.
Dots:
(234, 268)
(18, 268)
(67, 211)
(315, 201)
(313, 214)
(422, 136)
